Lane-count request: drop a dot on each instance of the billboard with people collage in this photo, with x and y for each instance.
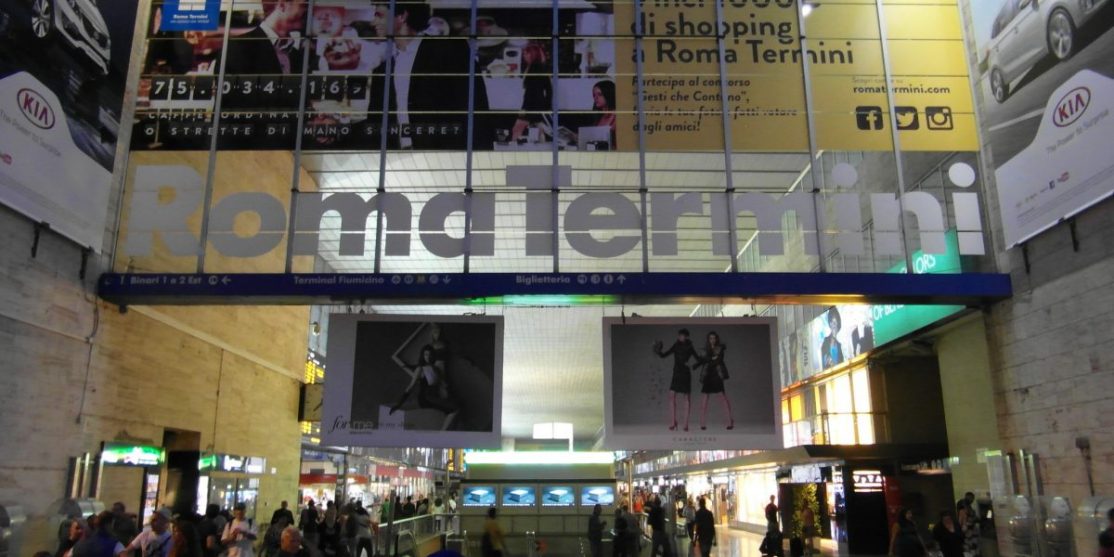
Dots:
(349, 102)
(358, 72)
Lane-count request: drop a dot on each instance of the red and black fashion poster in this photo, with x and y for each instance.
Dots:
(370, 81)
(413, 381)
(696, 384)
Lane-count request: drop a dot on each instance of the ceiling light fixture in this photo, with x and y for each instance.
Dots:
(539, 457)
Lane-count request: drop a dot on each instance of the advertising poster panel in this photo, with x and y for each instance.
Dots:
(414, 381)
(63, 65)
(1046, 80)
(765, 90)
(718, 377)
(591, 77)
(346, 60)
(839, 334)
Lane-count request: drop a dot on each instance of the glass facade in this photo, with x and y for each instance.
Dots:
(533, 136)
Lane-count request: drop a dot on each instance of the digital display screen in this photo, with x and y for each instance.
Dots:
(479, 496)
(558, 496)
(519, 496)
(597, 494)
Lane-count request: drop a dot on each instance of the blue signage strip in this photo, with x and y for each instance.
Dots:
(190, 15)
(559, 288)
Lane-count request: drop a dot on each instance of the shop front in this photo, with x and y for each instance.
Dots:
(131, 474)
(227, 480)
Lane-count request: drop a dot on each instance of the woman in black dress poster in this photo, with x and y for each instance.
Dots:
(712, 377)
(681, 383)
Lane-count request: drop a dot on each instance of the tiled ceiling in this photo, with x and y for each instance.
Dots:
(553, 356)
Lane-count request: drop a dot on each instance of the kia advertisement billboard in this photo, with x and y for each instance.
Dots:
(1046, 81)
(63, 65)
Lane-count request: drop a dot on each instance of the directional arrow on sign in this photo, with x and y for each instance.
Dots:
(225, 280)
(622, 279)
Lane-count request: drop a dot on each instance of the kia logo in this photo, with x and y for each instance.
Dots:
(1071, 107)
(35, 108)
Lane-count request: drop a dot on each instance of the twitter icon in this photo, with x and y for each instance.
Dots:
(907, 118)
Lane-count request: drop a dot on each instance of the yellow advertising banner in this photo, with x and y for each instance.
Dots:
(763, 61)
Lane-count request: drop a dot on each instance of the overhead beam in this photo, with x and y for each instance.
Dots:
(971, 289)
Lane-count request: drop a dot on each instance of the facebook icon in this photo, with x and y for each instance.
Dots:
(868, 117)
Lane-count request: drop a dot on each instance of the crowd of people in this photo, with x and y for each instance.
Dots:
(349, 530)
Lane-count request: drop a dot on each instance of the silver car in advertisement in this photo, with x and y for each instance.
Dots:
(78, 22)
(1025, 31)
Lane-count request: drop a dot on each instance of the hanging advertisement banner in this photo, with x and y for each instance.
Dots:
(682, 92)
(1045, 79)
(62, 71)
(590, 77)
(413, 381)
(691, 384)
(346, 59)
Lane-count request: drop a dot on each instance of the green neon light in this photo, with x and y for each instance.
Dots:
(132, 455)
(207, 462)
(545, 300)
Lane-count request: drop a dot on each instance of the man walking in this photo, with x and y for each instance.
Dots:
(154, 541)
(595, 531)
(307, 523)
(658, 535)
(283, 513)
(705, 529)
(239, 537)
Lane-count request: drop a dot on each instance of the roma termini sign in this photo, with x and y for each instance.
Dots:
(151, 217)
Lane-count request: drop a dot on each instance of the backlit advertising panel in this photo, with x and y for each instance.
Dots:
(691, 383)
(406, 381)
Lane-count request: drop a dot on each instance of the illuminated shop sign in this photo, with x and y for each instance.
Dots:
(255, 465)
(132, 455)
(207, 462)
(867, 481)
(230, 463)
(894, 321)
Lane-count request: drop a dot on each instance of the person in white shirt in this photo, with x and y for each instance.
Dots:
(239, 537)
(154, 541)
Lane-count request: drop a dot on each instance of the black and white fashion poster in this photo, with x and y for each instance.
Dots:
(63, 66)
(405, 381)
(691, 383)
